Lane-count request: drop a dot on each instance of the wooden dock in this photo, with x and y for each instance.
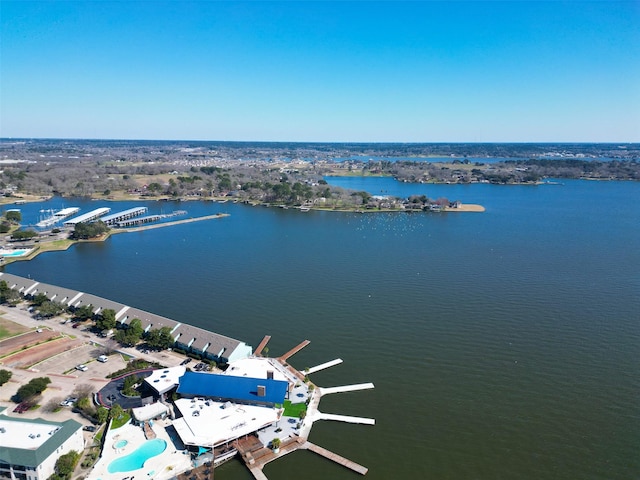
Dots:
(294, 350)
(345, 462)
(263, 344)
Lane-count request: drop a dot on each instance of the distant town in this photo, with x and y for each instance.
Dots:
(290, 174)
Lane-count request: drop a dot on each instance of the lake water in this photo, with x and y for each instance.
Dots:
(502, 344)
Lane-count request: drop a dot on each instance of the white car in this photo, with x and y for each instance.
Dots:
(82, 368)
(102, 358)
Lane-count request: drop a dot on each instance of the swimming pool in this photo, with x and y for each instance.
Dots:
(14, 253)
(136, 459)
(120, 444)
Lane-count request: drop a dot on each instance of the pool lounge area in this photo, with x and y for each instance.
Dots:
(136, 459)
(17, 252)
(128, 453)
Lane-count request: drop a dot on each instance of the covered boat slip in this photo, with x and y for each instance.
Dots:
(87, 217)
(193, 339)
(124, 215)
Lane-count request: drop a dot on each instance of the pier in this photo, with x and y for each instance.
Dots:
(334, 457)
(170, 224)
(294, 350)
(258, 351)
(345, 418)
(317, 368)
(345, 388)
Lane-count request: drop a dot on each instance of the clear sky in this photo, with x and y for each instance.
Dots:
(506, 71)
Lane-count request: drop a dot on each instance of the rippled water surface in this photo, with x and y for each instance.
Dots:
(502, 345)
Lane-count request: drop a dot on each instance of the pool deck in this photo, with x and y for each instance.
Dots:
(161, 467)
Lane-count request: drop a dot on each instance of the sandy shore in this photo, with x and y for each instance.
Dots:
(466, 207)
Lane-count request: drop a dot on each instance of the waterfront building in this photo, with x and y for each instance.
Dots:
(209, 345)
(29, 448)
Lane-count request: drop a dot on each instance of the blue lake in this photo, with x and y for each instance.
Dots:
(502, 344)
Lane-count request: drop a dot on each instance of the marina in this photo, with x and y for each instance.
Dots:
(210, 411)
(88, 217)
(55, 217)
(115, 218)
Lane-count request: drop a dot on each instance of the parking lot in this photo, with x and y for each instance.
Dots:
(87, 355)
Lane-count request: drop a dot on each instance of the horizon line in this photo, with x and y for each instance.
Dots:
(348, 142)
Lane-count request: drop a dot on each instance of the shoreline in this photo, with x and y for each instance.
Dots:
(61, 245)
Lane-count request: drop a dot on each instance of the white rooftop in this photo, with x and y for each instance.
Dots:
(67, 211)
(24, 434)
(257, 367)
(165, 379)
(147, 412)
(209, 423)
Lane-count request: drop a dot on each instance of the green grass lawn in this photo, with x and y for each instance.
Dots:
(293, 409)
(120, 421)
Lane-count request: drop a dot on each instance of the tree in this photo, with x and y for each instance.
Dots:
(83, 391)
(14, 216)
(53, 405)
(23, 234)
(116, 411)
(5, 376)
(106, 319)
(39, 299)
(84, 312)
(160, 338)
(8, 295)
(131, 335)
(50, 309)
(84, 231)
(128, 386)
(102, 414)
(66, 464)
(30, 390)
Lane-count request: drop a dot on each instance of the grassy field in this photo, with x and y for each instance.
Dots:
(9, 328)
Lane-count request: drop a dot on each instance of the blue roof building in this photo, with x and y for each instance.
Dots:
(247, 390)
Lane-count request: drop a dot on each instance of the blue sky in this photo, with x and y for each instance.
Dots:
(507, 71)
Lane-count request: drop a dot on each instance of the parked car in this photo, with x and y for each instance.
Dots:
(22, 407)
(82, 367)
(75, 325)
(69, 402)
(185, 361)
(89, 428)
(103, 358)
